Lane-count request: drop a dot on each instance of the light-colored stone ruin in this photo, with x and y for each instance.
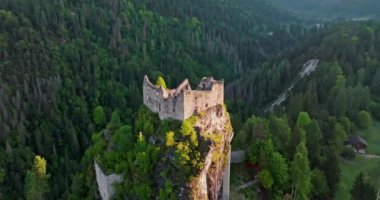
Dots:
(106, 182)
(183, 102)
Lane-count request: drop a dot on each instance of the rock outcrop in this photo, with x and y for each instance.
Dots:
(215, 125)
(190, 165)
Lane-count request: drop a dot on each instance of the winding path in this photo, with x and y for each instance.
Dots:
(370, 156)
(307, 68)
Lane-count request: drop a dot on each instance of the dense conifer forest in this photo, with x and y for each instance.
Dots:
(328, 9)
(72, 70)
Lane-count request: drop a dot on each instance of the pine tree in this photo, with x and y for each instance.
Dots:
(99, 116)
(362, 189)
(364, 119)
(331, 170)
(339, 137)
(301, 175)
(313, 137)
(373, 178)
(115, 121)
(319, 184)
(303, 120)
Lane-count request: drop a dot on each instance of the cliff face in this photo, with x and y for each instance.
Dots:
(189, 164)
(214, 125)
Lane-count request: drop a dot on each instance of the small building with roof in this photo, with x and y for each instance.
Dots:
(357, 143)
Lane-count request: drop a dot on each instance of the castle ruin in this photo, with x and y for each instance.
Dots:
(183, 102)
(106, 182)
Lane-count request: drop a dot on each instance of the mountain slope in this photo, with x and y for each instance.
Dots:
(59, 60)
(339, 99)
(331, 8)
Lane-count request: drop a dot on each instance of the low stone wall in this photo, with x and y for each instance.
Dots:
(238, 156)
(105, 182)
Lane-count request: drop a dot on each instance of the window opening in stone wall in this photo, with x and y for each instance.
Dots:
(219, 112)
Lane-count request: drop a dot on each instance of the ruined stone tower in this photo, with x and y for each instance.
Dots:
(212, 124)
(183, 102)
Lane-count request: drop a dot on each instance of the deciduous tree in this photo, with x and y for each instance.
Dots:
(300, 173)
(364, 119)
(36, 184)
(161, 82)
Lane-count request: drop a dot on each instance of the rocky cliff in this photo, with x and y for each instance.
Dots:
(214, 131)
(169, 159)
(214, 125)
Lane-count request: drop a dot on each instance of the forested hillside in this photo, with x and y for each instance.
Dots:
(330, 9)
(59, 60)
(347, 80)
(72, 70)
(304, 137)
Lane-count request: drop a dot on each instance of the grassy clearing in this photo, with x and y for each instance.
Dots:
(350, 169)
(372, 135)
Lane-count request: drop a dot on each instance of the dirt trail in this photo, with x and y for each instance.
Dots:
(307, 68)
(370, 156)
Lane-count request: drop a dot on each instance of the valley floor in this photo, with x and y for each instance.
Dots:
(351, 168)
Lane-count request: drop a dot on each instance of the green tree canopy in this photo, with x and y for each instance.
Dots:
(319, 184)
(313, 137)
(36, 184)
(266, 179)
(339, 137)
(99, 116)
(303, 120)
(364, 119)
(361, 189)
(170, 139)
(301, 175)
(115, 120)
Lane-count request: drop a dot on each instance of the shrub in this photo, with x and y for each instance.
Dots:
(348, 153)
(161, 82)
(266, 179)
(170, 139)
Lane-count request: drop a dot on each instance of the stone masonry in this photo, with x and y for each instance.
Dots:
(179, 103)
(105, 182)
(183, 102)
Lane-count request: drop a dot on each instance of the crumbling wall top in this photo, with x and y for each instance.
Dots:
(182, 102)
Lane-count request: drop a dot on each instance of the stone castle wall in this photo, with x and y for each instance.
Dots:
(182, 102)
(105, 182)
